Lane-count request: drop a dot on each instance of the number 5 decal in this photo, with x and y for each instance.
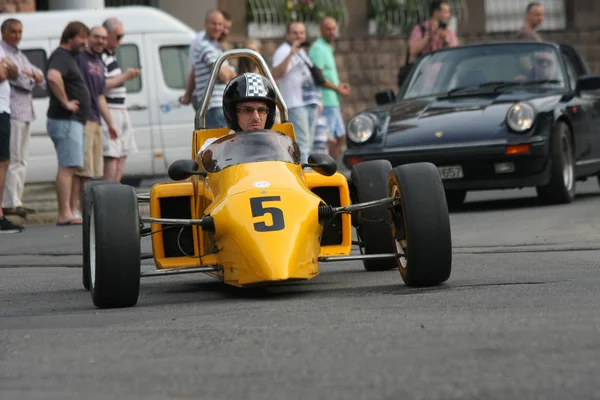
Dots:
(256, 205)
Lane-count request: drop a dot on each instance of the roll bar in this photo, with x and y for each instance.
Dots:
(200, 118)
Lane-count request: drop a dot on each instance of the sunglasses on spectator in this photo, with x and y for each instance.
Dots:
(250, 110)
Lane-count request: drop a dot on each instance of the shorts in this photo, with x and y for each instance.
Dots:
(68, 136)
(93, 165)
(335, 120)
(4, 136)
(125, 144)
(321, 136)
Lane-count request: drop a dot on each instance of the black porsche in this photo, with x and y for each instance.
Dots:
(490, 116)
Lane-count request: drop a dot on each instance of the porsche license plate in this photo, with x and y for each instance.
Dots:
(451, 172)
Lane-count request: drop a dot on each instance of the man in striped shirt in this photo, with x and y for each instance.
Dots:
(204, 55)
(116, 151)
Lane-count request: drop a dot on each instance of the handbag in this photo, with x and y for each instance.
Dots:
(315, 71)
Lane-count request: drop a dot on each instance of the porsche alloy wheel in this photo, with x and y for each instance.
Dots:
(114, 246)
(561, 187)
(421, 224)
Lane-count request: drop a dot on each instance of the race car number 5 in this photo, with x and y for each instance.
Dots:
(259, 210)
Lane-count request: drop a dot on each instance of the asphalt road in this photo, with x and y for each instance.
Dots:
(518, 319)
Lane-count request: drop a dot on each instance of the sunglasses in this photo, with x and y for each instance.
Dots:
(250, 110)
(543, 62)
(119, 37)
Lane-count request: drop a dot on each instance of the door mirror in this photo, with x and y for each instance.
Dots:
(588, 83)
(385, 97)
(322, 163)
(183, 169)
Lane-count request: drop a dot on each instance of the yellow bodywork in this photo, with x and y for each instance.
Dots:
(265, 216)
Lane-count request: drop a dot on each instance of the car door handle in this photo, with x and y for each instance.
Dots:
(136, 107)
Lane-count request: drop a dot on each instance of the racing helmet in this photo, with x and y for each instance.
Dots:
(248, 87)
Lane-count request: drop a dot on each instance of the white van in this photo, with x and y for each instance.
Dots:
(154, 41)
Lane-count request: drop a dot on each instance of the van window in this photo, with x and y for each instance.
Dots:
(38, 58)
(129, 57)
(174, 61)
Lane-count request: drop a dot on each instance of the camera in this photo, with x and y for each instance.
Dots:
(442, 25)
(305, 44)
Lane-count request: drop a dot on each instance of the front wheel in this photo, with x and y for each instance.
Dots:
(114, 246)
(421, 224)
(561, 188)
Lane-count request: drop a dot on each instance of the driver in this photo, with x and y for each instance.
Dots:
(249, 103)
(544, 68)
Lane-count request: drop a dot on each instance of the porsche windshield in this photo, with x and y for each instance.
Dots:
(249, 147)
(485, 68)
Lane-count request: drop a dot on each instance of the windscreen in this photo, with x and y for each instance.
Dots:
(249, 147)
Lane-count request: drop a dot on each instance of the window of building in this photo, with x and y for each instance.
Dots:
(174, 63)
(508, 15)
(129, 57)
(38, 58)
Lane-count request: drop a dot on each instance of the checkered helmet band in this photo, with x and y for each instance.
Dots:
(255, 86)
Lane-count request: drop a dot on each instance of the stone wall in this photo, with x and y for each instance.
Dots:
(371, 64)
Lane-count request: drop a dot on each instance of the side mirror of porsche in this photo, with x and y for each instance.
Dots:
(322, 163)
(587, 83)
(385, 97)
(183, 169)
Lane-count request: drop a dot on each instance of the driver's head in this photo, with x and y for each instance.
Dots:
(544, 65)
(245, 100)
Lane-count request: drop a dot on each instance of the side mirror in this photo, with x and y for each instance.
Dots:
(183, 169)
(587, 83)
(385, 97)
(322, 163)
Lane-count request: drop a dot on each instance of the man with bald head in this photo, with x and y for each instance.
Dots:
(204, 56)
(116, 151)
(92, 70)
(322, 55)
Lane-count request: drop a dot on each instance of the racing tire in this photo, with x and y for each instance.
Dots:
(421, 225)
(598, 180)
(85, 206)
(370, 182)
(561, 187)
(114, 246)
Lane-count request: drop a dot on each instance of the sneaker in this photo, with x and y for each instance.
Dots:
(8, 227)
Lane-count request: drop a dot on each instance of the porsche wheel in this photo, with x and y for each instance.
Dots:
(370, 182)
(85, 206)
(561, 187)
(114, 246)
(421, 225)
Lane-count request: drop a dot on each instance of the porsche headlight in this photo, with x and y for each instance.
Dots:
(520, 117)
(361, 127)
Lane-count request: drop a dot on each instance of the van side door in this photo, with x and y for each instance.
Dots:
(169, 52)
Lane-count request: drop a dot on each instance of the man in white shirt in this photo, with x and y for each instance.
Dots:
(8, 71)
(297, 86)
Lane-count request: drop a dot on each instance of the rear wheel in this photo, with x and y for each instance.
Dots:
(370, 181)
(114, 246)
(421, 224)
(561, 188)
(85, 206)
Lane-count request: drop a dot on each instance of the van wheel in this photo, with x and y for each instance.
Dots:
(372, 224)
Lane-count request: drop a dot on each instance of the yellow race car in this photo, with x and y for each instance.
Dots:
(246, 211)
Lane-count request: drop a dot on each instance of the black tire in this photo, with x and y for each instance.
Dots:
(370, 182)
(598, 180)
(455, 198)
(561, 187)
(85, 207)
(131, 181)
(114, 246)
(421, 225)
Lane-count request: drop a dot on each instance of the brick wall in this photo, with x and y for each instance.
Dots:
(371, 64)
(11, 6)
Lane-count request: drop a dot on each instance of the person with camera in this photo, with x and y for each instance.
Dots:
(433, 34)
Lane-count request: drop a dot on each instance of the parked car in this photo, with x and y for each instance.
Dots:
(490, 116)
(154, 41)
